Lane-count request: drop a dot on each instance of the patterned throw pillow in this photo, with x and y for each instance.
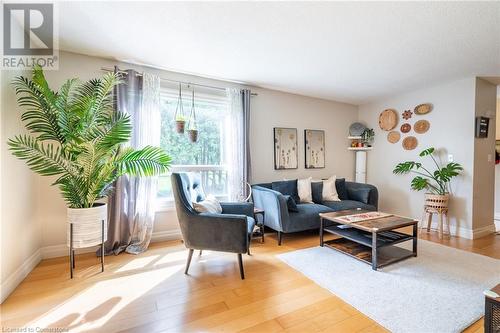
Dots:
(209, 205)
(330, 190)
(304, 189)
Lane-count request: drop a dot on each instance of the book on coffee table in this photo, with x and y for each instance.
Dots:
(353, 218)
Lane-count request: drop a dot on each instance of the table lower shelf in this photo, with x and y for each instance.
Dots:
(385, 255)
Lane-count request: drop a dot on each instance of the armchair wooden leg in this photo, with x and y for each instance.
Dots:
(240, 263)
(280, 237)
(249, 241)
(190, 255)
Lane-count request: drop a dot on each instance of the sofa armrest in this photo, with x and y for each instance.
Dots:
(274, 205)
(218, 232)
(244, 208)
(366, 193)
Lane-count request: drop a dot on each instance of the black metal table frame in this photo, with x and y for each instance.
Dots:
(72, 251)
(260, 225)
(374, 246)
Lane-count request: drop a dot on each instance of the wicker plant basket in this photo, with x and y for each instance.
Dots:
(436, 203)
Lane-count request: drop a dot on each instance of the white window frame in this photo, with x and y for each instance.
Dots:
(168, 204)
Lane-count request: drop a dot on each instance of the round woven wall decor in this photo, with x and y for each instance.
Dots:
(423, 108)
(405, 128)
(421, 126)
(410, 143)
(388, 119)
(393, 136)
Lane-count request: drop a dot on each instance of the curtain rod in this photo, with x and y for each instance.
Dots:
(107, 69)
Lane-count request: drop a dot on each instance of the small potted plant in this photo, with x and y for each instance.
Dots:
(180, 123)
(193, 132)
(436, 182)
(367, 136)
(192, 124)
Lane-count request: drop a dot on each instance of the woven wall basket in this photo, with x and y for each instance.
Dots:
(436, 203)
(87, 224)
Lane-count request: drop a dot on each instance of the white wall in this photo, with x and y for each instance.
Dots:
(269, 109)
(497, 167)
(484, 160)
(452, 130)
(456, 104)
(276, 109)
(20, 229)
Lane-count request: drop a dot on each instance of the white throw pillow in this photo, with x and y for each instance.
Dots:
(330, 190)
(209, 205)
(304, 189)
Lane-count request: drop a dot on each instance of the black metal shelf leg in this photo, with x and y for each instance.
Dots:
(71, 252)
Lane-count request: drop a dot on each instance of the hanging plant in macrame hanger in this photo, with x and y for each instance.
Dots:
(180, 119)
(192, 125)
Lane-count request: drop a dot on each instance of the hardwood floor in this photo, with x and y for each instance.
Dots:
(150, 293)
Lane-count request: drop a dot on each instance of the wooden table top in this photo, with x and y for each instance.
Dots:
(375, 225)
(497, 290)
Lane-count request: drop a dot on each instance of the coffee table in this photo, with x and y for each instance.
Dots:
(371, 241)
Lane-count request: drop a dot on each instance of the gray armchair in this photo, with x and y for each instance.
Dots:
(227, 232)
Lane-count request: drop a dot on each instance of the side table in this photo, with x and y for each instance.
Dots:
(492, 311)
(257, 211)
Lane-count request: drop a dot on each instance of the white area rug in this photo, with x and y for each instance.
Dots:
(441, 290)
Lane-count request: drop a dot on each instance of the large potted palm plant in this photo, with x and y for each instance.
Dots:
(77, 136)
(435, 182)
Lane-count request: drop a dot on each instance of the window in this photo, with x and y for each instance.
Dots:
(207, 155)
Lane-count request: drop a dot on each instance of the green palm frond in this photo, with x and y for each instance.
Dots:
(117, 132)
(84, 136)
(66, 120)
(40, 115)
(148, 161)
(45, 159)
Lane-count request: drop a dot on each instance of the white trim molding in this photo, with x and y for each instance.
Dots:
(467, 233)
(8, 286)
(61, 250)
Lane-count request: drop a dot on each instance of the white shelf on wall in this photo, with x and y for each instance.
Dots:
(360, 148)
(355, 137)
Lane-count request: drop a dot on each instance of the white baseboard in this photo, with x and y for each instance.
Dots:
(497, 221)
(61, 250)
(483, 231)
(168, 235)
(468, 233)
(8, 286)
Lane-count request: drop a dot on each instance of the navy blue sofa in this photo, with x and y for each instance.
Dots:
(279, 218)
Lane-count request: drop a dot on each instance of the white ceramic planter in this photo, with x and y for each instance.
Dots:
(87, 225)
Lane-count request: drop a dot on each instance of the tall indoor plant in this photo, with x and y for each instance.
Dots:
(76, 135)
(435, 182)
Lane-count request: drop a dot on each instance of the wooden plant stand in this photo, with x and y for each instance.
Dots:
(436, 204)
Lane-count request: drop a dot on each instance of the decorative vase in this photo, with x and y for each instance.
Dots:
(87, 225)
(193, 135)
(179, 126)
(436, 202)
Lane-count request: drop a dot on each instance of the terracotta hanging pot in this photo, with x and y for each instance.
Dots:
(179, 126)
(193, 135)
(192, 125)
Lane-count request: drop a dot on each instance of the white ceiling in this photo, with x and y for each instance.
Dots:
(346, 51)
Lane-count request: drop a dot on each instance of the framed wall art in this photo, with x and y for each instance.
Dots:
(314, 148)
(285, 148)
